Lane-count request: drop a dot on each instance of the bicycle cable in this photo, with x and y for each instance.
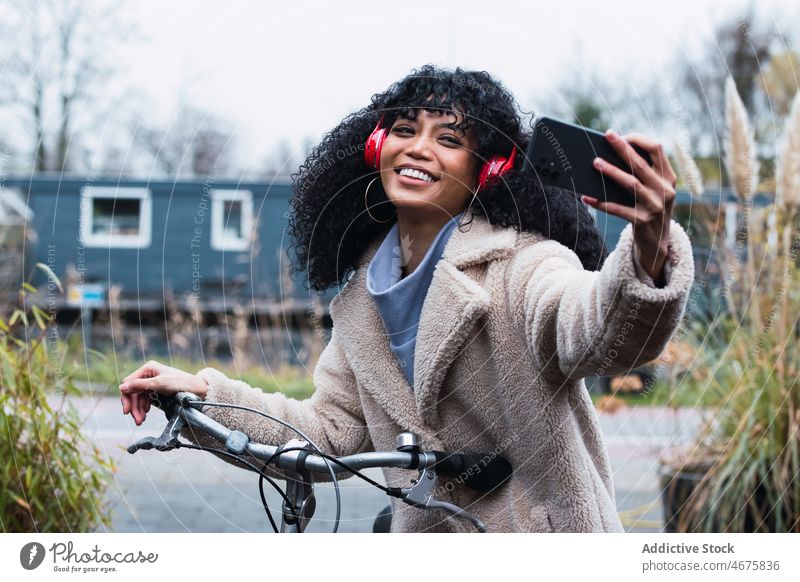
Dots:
(334, 479)
(255, 469)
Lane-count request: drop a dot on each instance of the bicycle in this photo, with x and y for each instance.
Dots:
(300, 459)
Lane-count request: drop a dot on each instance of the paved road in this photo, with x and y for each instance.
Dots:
(192, 491)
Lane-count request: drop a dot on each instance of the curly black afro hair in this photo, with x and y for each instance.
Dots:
(329, 224)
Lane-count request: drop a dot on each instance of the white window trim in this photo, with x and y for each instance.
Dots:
(219, 242)
(125, 241)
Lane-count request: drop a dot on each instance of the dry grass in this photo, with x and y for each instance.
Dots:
(740, 159)
(748, 359)
(788, 167)
(610, 404)
(260, 354)
(689, 169)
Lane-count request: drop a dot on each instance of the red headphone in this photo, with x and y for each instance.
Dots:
(492, 169)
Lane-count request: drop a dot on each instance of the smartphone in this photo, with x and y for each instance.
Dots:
(560, 154)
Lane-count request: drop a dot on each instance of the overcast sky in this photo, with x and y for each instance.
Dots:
(292, 70)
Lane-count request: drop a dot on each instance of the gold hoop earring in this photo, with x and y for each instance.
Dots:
(366, 204)
(469, 206)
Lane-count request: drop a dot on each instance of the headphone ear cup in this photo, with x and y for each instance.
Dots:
(373, 146)
(486, 174)
(495, 167)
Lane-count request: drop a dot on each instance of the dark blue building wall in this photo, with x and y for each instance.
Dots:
(179, 256)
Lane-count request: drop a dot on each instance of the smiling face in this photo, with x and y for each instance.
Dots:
(427, 166)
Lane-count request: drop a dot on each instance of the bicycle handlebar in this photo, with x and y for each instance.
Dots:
(482, 473)
(295, 461)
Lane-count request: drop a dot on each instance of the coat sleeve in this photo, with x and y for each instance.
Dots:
(332, 417)
(582, 323)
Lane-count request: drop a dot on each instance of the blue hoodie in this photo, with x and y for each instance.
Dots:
(399, 301)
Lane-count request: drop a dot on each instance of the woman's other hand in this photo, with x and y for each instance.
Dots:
(654, 188)
(138, 388)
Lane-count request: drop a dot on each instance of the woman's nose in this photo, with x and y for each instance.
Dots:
(420, 146)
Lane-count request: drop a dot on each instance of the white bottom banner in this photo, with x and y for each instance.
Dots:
(239, 557)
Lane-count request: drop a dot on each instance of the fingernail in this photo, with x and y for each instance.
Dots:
(598, 162)
(611, 134)
(123, 386)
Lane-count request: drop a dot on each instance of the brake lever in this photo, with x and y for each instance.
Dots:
(420, 494)
(169, 438)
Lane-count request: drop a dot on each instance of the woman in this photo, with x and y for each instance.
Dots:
(471, 308)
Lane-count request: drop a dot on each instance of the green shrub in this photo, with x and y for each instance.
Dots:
(53, 478)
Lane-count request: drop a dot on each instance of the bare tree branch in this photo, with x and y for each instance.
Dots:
(196, 143)
(59, 58)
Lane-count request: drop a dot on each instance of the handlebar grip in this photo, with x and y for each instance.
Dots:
(482, 473)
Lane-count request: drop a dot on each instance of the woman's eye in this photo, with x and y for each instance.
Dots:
(407, 131)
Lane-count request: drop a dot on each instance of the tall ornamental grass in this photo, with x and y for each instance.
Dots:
(749, 354)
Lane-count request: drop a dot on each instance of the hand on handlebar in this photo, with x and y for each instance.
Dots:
(156, 378)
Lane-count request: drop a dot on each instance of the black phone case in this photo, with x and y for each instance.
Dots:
(561, 154)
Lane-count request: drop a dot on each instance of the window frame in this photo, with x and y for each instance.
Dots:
(219, 240)
(123, 241)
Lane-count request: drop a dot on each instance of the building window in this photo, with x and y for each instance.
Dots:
(231, 219)
(115, 217)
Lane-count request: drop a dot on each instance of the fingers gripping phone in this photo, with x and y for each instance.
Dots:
(560, 154)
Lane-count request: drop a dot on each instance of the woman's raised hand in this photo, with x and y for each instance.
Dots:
(138, 388)
(654, 188)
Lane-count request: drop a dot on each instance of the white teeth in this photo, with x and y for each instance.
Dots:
(416, 174)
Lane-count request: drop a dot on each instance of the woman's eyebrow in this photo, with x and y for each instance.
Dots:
(452, 125)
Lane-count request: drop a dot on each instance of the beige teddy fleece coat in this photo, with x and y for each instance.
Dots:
(510, 326)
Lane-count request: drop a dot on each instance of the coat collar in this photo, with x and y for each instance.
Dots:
(453, 305)
(479, 242)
